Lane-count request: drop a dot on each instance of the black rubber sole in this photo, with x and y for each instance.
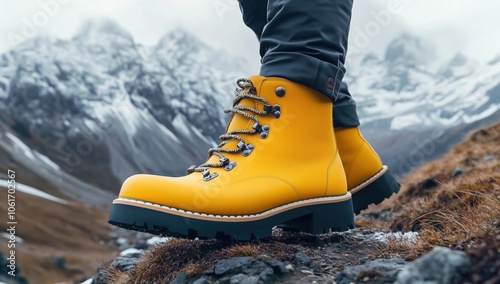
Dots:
(374, 193)
(317, 218)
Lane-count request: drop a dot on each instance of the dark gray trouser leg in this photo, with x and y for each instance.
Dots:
(306, 42)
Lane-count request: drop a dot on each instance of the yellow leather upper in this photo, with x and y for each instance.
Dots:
(359, 159)
(296, 161)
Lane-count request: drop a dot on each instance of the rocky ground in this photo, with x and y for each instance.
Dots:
(348, 257)
(443, 227)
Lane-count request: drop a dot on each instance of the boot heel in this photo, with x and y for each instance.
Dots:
(375, 192)
(323, 218)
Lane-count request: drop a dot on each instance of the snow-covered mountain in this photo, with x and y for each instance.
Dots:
(412, 108)
(100, 107)
(403, 91)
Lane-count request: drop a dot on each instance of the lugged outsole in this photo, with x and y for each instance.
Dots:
(374, 190)
(317, 218)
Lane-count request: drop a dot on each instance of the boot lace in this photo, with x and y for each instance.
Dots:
(245, 89)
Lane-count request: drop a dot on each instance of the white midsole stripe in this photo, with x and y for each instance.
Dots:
(370, 180)
(233, 218)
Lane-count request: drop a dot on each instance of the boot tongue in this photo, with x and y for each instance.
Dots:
(239, 122)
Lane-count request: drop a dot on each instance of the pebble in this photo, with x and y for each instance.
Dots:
(386, 269)
(308, 272)
(488, 158)
(121, 241)
(202, 280)
(278, 266)
(156, 240)
(301, 259)
(458, 171)
(238, 278)
(124, 263)
(131, 252)
(267, 275)
(441, 265)
(179, 279)
(251, 280)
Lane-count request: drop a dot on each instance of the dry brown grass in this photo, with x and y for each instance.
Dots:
(446, 210)
(162, 263)
(244, 250)
(116, 276)
(73, 232)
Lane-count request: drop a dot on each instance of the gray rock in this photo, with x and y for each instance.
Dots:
(301, 259)
(124, 263)
(231, 265)
(59, 262)
(255, 268)
(238, 278)
(440, 266)
(278, 266)
(132, 253)
(223, 280)
(458, 171)
(379, 271)
(122, 243)
(245, 264)
(289, 268)
(141, 244)
(251, 280)
(179, 279)
(202, 280)
(488, 158)
(267, 275)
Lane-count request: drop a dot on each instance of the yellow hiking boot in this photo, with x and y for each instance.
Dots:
(368, 180)
(275, 166)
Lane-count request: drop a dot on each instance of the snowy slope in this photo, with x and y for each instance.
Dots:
(32, 191)
(402, 91)
(100, 104)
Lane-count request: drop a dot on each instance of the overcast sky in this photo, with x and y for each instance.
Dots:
(470, 26)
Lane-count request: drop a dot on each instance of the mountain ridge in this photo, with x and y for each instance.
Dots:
(79, 90)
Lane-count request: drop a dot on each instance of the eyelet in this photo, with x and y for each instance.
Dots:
(210, 177)
(257, 127)
(275, 110)
(241, 145)
(205, 172)
(224, 161)
(249, 148)
(230, 166)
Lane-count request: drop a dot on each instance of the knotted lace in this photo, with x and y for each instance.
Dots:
(245, 89)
